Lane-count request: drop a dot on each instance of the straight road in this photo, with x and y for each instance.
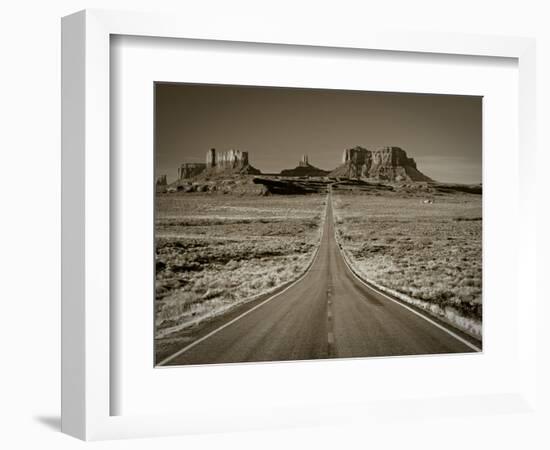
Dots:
(328, 313)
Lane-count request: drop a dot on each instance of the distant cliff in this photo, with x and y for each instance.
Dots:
(161, 180)
(388, 163)
(190, 170)
(385, 164)
(218, 163)
(161, 183)
(229, 162)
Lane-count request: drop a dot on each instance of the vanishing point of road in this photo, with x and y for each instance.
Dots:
(328, 313)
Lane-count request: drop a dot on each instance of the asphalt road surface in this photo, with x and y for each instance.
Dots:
(328, 313)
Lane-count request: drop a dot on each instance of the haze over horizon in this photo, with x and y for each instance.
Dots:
(443, 133)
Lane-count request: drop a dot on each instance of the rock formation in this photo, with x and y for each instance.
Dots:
(222, 163)
(358, 163)
(304, 169)
(231, 161)
(388, 163)
(190, 170)
(160, 184)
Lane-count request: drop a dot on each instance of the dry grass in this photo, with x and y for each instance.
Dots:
(215, 252)
(430, 252)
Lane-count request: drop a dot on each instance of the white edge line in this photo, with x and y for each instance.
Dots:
(456, 336)
(213, 332)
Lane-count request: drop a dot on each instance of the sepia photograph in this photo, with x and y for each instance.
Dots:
(298, 224)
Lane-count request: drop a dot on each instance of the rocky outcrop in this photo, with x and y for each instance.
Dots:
(190, 170)
(387, 163)
(304, 169)
(229, 162)
(161, 184)
(218, 163)
(358, 163)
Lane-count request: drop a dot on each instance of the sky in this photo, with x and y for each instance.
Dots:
(443, 133)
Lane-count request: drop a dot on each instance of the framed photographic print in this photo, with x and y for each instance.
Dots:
(264, 256)
(253, 217)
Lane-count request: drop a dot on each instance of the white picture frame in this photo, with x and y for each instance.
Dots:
(86, 221)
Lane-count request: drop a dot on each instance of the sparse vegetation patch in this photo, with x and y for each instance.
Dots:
(428, 251)
(215, 252)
